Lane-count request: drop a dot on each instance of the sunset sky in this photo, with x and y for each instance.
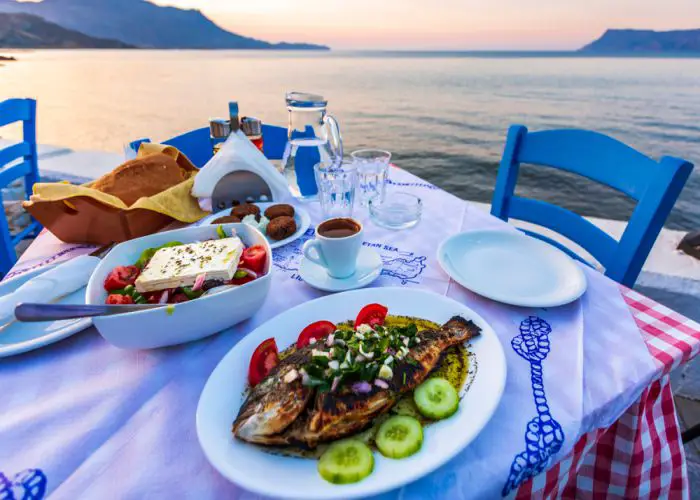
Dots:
(443, 24)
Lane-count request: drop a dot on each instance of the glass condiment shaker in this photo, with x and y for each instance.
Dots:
(219, 130)
(252, 128)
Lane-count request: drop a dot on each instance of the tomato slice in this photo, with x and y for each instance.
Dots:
(372, 315)
(318, 330)
(116, 299)
(264, 359)
(120, 277)
(254, 258)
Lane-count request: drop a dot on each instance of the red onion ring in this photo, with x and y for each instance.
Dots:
(199, 282)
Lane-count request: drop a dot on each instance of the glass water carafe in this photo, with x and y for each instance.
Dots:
(313, 136)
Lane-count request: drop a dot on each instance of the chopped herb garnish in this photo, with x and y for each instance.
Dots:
(364, 355)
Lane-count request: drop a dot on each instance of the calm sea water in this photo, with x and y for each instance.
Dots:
(444, 116)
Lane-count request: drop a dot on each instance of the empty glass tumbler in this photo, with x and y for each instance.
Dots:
(336, 187)
(372, 173)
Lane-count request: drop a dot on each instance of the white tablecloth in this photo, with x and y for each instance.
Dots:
(103, 423)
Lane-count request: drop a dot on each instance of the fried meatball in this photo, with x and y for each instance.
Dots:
(246, 209)
(279, 210)
(226, 219)
(282, 227)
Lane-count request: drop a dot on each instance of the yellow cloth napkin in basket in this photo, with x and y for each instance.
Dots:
(175, 202)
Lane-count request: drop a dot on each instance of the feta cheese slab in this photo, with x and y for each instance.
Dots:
(177, 266)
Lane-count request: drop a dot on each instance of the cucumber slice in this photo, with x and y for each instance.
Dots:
(436, 398)
(346, 461)
(399, 437)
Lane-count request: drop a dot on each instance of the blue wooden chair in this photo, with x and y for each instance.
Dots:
(17, 161)
(197, 145)
(654, 185)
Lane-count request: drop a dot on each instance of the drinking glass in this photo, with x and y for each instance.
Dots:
(336, 187)
(372, 173)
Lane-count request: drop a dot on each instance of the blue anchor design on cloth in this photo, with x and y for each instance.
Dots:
(543, 436)
(30, 484)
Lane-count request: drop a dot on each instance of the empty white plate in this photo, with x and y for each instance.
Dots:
(512, 268)
(16, 337)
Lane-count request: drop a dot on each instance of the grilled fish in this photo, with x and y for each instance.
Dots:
(286, 414)
(273, 405)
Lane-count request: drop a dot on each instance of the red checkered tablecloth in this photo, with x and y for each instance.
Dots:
(641, 455)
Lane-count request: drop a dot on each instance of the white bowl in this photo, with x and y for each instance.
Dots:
(186, 321)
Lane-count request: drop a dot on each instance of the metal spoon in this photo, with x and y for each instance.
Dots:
(52, 312)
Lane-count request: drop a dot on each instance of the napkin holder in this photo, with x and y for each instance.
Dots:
(237, 174)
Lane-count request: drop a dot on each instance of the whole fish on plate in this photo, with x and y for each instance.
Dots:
(325, 392)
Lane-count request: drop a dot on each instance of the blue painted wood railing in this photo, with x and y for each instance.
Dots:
(197, 146)
(17, 161)
(654, 185)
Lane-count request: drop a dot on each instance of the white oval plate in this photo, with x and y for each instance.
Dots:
(290, 477)
(301, 216)
(16, 337)
(512, 268)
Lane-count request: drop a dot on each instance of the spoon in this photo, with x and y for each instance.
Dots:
(31, 313)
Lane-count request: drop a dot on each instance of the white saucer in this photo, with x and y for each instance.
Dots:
(369, 267)
(16, 337)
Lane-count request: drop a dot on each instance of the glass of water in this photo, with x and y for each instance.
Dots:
(336, 187)
(372, 173)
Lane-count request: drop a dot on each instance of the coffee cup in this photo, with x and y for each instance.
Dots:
(336, 246)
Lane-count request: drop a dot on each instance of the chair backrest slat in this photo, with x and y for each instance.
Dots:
(14, 152)
(11, 111)
(16, 110)
(655, 185)
(197, 146)
(17, 171)
(592, 155)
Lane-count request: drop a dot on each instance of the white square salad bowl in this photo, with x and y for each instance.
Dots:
(183, 322)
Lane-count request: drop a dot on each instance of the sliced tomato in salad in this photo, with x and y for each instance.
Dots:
(264, 359)
(254, 258)
(120, 277)
(372, 315)
(118, 300)
(317, 331)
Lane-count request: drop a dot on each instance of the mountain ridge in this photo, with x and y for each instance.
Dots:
(635, 40)
(26, 31)
(144, 24)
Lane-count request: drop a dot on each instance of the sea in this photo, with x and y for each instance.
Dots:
(443, 115)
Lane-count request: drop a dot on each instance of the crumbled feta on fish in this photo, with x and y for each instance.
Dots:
(364, 329)
(385, 372)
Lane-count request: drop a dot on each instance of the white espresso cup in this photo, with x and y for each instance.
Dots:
(336, 247)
